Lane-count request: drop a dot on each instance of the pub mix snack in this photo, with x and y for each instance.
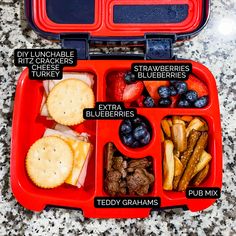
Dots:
(185, 161)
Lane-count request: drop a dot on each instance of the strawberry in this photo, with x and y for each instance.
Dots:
(116, 86)
(174, 100)
(152, 87)
(119, 91)
(197, 85)
(128, 104)
(133, 91)
(139, 101)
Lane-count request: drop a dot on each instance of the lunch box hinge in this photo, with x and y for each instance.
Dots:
(80, 42)
(159, 47)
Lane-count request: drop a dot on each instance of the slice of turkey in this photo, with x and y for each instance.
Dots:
(66, 130)
(51, 132)
(48, 85)
(69, 133)
(44, 109)
(83, 173)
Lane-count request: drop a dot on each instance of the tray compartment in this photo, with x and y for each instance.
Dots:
(154, 15)
(209, 181)
(151, 89)
(72, 12)
(149, 14)
(150, 169)
(109, 131)
(27, 119)
(69, 16)
(213, 179)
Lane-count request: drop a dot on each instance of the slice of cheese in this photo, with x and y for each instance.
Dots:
(81, 150)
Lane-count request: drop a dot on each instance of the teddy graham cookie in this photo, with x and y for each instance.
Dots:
(68, 99)
(49, 162)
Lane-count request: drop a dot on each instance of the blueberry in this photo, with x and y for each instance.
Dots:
(181, 87)
(128, 122)
(146, 140)
(183, 103)
(201, 102)
(164, 102)
(144, 125)
(149, 102)
(173, 82)
(191, 96)
(128, 140)
(125, 128)
(135, 132)
(140, 132)
(135, 144)
(173, 91)
(164, 91)
(130, 78)
(137, 121)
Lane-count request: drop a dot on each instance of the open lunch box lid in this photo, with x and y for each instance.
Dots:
(117, 18)
(113, 20)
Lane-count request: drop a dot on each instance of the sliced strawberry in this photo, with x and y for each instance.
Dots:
(174, 100)
(139, 101)
(116, 86)
(152, 87)
(197, 85)
(133, 91)
(127, 104)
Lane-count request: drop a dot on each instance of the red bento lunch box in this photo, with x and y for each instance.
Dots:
(105, 21)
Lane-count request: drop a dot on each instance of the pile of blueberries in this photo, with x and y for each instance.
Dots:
(135, 132)
(188, 98)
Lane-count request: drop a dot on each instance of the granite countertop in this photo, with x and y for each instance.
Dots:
(215, 47)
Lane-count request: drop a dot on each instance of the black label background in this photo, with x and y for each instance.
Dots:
(29, 65)
(134, 110)
(157, 199)
(204, 191)
(161, 64)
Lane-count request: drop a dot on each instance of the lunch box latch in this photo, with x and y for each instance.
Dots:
(80, 42)
(153, 46)
(159, 47)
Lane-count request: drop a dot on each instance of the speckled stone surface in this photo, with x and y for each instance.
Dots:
(212, 48)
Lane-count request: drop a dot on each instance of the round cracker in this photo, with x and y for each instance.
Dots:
(49, 162)
(68, 99)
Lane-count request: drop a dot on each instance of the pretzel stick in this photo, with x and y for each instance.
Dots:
(197, 180)
(204, 160)
(194, 159)
(193, 138)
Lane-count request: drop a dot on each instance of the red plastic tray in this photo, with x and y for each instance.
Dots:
(104, 24)
(28, 126)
